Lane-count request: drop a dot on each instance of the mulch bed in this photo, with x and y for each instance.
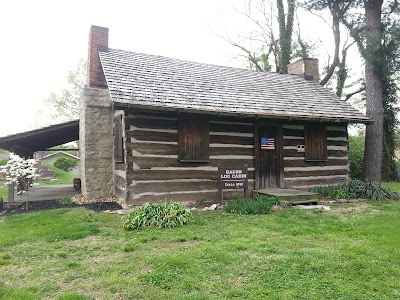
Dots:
(54, 204)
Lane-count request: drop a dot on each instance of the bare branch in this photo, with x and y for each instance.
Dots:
(319, 16)
(348, 96)
(251, 57)
(335, 62)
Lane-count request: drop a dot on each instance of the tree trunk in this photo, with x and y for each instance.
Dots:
(285, 33)
(372, 163)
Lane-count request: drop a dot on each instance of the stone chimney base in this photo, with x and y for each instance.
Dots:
(96, 143)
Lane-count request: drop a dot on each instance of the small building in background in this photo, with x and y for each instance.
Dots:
(48, 158)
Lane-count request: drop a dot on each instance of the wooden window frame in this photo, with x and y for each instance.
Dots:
(118, 139)
(191, 148)
(315, 151)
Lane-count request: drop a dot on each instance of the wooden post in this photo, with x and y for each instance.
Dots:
(246, 186)
(220, 196)
(246, 193)
(10, 192)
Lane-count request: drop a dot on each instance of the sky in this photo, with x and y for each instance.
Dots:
(43, 40)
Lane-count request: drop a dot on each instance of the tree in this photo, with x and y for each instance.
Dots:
(356, 154)
(391, 66)
(281, 46)
(372, 164)
(19, 171)
(65, 163)
(65, 105)
(285, 33)
(266, 15)
(377, 41)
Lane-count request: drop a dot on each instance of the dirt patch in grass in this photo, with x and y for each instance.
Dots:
(347, 210)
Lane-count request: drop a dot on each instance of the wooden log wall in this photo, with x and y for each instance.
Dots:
(302, 174)
(154, 172)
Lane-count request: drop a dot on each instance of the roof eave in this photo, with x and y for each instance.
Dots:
(365, 120)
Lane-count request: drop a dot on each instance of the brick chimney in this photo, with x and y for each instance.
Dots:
(98, 40)
(306, 68)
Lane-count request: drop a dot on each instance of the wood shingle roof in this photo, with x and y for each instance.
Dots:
(156, 81)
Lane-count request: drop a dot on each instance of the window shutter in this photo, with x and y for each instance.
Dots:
(315, 142)
(193, 139)
(118, 140)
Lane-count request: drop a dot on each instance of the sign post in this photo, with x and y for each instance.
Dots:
(232, 177)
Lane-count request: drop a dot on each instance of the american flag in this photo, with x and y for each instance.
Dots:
(267, 143)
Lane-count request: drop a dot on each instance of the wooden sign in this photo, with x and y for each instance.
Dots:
(232, 177)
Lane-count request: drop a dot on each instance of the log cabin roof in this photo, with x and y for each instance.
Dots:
(160, 82)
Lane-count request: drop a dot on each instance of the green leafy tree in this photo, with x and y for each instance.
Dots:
(285, 21)
(390, 125)
(376, 33)
(356, 154)
(65, 163)
(65, 104)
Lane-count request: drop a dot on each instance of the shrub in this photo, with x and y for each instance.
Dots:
(161, 215)
(369, 190)
(357, 189)
(64, 201)
(259, 206)
(3, 162)
(65, 163)
(356, 156)
(334, 192)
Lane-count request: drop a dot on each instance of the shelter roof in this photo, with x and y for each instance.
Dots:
(28, 142)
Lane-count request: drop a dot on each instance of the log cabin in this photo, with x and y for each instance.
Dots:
(155, 128)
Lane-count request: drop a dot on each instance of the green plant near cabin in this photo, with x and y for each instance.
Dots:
(160, 215)
(261, 205)
(64, 201)
(357, 189)
(370, 190)
(334, 192)
(356, 155)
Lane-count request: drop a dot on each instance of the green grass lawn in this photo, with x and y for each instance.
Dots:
(350, 252)
(3, 190)
(393, 186)
(62, 176)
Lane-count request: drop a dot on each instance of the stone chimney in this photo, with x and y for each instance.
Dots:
(306, 68)
(98, 41)
(95, 124)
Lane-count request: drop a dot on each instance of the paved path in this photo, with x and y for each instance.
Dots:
(48, 192)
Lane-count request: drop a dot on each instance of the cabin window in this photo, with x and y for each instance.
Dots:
(315, 142)
(118, 139)
(193, 139)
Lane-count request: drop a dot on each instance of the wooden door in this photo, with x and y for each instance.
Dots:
(268, 158)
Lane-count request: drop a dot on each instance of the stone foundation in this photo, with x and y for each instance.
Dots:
(96, 143)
